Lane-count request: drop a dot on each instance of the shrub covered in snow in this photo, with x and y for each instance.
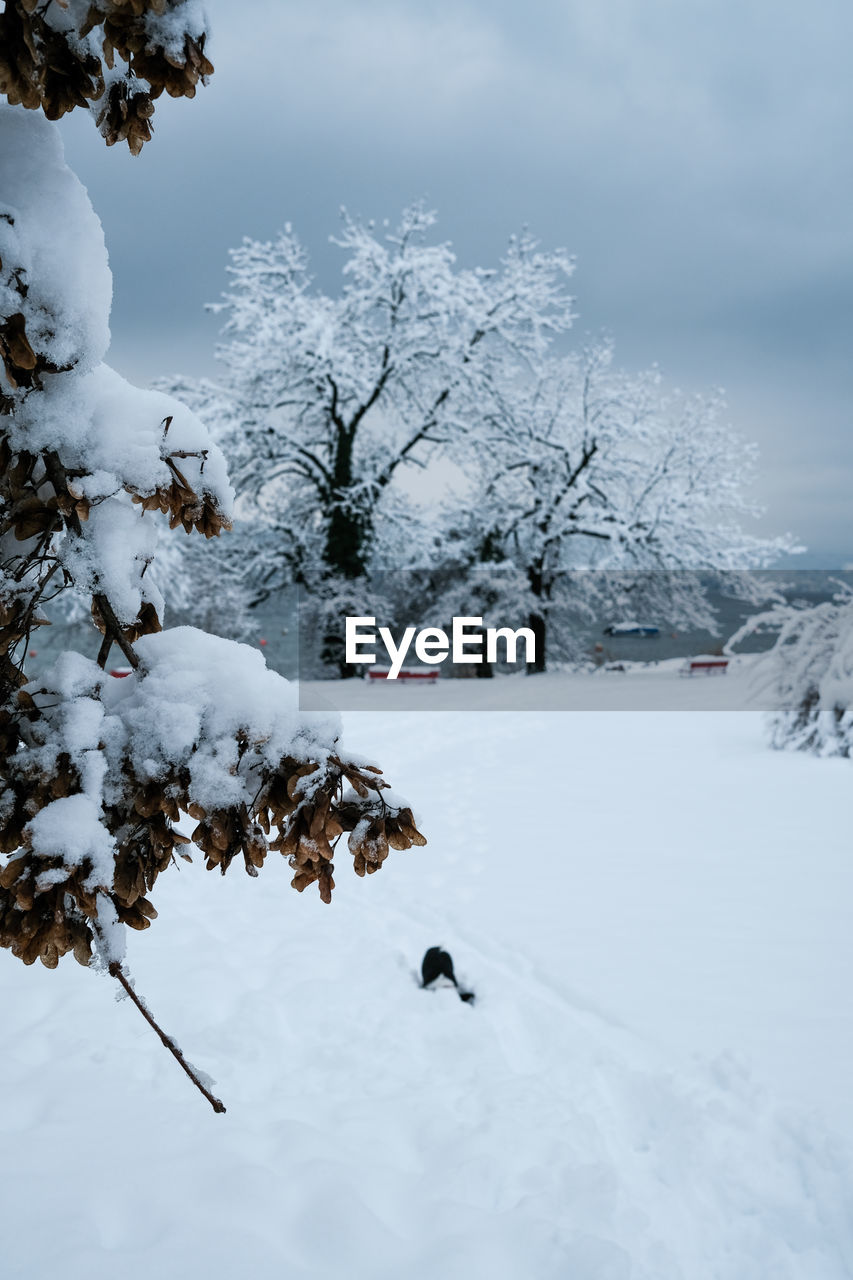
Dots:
(809, 672)
(98, 771)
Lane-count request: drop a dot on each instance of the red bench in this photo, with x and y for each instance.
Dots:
(708, 666)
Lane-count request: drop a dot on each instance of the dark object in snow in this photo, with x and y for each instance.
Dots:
(438, 964)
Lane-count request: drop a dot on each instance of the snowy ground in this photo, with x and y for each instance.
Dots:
(632, 686)
(624, 891)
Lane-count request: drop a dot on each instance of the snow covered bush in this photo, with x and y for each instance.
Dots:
(809, 674)
(98, 771)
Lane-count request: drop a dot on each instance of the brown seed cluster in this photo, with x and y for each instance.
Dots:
(44, 905)
(125, 116)
(45, 66)
(39, 505)
(301, 806)
(38, 65)
(48, 909)
(180, 502)
(40, 925)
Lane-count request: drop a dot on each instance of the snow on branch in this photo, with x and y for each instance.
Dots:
(98, 772)
(113, 56)
(104, 769)
(808, 673)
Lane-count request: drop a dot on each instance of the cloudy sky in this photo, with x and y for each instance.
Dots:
(694, 155)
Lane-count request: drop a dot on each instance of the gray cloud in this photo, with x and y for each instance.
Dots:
(695, 156)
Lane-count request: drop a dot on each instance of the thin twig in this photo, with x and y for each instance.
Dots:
(113, 629)
(104, 651)
(58, 477)
(118, 973)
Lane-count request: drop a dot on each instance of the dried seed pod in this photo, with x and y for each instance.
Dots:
(294, 781)
(333, 828)
(51, 65)
(18, 357)
(326, 883)
(13, 870)
(138, 916)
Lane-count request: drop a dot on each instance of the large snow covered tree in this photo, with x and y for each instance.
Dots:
(330, 398)
(98, 771)
(579, 466)
(573, 464)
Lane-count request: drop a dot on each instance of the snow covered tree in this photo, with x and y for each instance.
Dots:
(97, 772)
(327, 399)
(573, 464)
(808, 674)
(580, 466)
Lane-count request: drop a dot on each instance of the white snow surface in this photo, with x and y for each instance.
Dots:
(624, 686)
(70, 828)
(49, 231)
(168, 30)
(653, 1083)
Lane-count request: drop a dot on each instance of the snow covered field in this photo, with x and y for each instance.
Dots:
(653, 911)
(637, 686)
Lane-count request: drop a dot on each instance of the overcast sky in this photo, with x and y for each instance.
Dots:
(695, 156)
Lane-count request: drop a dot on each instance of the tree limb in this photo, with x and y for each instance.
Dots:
(118, 973)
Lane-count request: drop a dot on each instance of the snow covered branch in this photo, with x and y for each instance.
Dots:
(99, 772)
(113, 56)
(809, 673)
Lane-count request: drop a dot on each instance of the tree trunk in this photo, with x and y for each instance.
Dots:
(346, 550)
(345, 558)
(348, 531)
(537, 625)
(345, 553)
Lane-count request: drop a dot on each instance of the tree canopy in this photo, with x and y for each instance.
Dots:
(563, 461)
